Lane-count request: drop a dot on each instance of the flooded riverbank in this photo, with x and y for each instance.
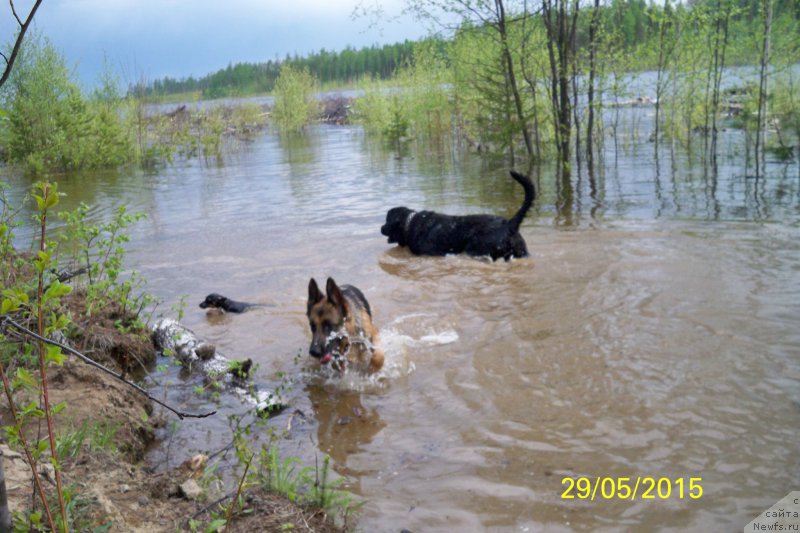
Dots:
(653, 332)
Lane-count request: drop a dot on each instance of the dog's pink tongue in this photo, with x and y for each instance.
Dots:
(325, 359)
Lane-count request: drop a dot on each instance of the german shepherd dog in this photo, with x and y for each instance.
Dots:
(341, 328)
(431, 233)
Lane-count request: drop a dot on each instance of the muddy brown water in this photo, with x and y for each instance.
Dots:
(658, 338)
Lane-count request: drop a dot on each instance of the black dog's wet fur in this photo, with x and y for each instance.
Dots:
(431, 233)
(217, 301)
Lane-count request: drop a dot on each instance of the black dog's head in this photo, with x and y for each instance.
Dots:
(515, 247)
(214, 300)
(395, 227)
(326, 316)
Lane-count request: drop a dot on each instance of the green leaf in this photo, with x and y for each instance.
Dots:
(57, 408)
(32, 409)
(61, 322)
(42, 446)
(17, 294)
(54, 355)
(24, 378)
(56, 290)
(8, 306)
(15, 298)
(12, 435)
(215, 526)
(52, 199)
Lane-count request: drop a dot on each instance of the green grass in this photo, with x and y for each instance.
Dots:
(91, 436)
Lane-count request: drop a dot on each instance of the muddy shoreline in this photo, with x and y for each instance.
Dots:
(114, 486)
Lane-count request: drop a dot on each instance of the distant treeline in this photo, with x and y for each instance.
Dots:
(254, 78)
(636, 22)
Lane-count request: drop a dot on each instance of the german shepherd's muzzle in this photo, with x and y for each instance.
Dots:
(342, 332)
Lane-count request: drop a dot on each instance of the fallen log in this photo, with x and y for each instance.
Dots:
(176, 340)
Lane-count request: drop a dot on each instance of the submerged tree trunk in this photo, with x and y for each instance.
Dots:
(512, 77)
(668, 36)
(536, 135)
(509, 119)
(659, 80)
(719, 65)
(534, 90)
(761, 131)
(575, 116)
(590, 90)
(560, 29)
(707, 109)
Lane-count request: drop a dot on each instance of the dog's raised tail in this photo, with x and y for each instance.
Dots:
(530, 196)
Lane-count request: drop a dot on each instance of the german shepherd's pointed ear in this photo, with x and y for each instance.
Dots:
(314, 294)
(336, 297)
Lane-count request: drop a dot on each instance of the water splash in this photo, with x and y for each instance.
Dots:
(399, 340)
(407, 326)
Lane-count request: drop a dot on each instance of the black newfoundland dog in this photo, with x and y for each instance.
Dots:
(431, 233)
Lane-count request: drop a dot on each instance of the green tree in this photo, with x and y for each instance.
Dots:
(295, 105)
(51, 125)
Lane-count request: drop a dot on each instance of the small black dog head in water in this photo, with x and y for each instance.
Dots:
(217, 301)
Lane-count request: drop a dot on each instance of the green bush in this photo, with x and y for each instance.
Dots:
(372, 109)
(51, 125)
(295, 105)
(427, 91)
(418, 104)
(785, 108)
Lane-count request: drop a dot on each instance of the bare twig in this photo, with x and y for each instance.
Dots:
(206, 508)
(229, 512)
(6, 321)
(23, 27)
(14, 11)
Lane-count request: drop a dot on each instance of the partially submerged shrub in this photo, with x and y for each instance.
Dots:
(295, 105)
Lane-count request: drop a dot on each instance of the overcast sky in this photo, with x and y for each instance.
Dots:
(178, 38)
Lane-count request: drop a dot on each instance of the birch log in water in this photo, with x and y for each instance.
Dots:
(172, 338)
